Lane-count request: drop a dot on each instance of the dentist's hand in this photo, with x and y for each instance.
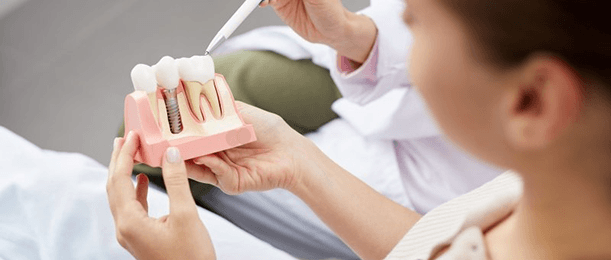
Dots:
(179, 235)
(328, 22)
(276, 160)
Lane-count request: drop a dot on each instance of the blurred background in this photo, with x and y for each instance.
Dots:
(65, 64)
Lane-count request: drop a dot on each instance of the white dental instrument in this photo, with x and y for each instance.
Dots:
(232, 24)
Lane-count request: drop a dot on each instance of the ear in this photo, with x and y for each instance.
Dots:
(544, 103)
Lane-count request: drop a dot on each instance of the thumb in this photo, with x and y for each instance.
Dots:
(259, 118)
(176, 182)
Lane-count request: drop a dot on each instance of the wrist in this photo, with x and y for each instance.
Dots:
(357, 39)
(308, 158)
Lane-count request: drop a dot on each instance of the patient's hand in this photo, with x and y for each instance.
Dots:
(179, 235)
(275, 160)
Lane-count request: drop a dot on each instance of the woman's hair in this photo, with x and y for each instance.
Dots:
(578, 32)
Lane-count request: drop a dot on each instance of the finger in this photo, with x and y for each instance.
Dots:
(125, 160)
(246, 111)
(264, 3)
(239, 152)
(177, 184)
(120, 187)
(214, 163)
(242, 106)
(223, 170)
(142, 188)
(257, 117)
(201, 173)
(117, 144)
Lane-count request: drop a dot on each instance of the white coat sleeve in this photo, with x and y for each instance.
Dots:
(385, 67)
(379, 100)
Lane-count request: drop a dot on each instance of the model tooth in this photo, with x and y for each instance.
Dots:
(197, 74)
(192, 88)
(143, 78)
(166, 73)
(197, 68)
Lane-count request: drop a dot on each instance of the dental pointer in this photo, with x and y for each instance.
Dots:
(236, 19)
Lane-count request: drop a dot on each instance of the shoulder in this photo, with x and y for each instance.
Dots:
(443, 225)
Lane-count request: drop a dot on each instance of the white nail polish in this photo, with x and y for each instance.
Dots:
(173, 155)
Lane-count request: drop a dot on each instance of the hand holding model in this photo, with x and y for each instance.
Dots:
(328, 22)
(275, 160)
(178, 235)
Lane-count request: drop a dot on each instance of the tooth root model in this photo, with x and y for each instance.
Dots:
(192, 109)
(197, 74)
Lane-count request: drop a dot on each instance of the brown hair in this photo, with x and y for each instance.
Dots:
(578, 32)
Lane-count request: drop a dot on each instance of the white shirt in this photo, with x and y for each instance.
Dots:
(381, 104)
(459, 223)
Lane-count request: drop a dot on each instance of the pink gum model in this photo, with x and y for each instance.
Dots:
(140, 119)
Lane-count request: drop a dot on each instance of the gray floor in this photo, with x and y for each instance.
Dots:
(65, 64)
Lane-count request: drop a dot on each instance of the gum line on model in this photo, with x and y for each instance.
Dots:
(183, 103)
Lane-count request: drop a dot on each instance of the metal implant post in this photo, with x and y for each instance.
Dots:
(171, 105)
(168, 78)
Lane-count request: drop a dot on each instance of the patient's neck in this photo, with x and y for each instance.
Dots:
(565, 213)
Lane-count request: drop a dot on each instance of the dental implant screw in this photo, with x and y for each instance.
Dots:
(171, 105)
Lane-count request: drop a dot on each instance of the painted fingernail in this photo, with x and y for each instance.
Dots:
(173, 155)
(115, 143)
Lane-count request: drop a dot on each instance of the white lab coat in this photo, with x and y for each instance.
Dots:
(385, 106)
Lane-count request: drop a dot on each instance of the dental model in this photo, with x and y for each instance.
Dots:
(183, 103)
(166, 73)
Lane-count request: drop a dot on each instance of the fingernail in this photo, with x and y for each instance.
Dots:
(130, 135)
(115, 143)
(173, 155)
